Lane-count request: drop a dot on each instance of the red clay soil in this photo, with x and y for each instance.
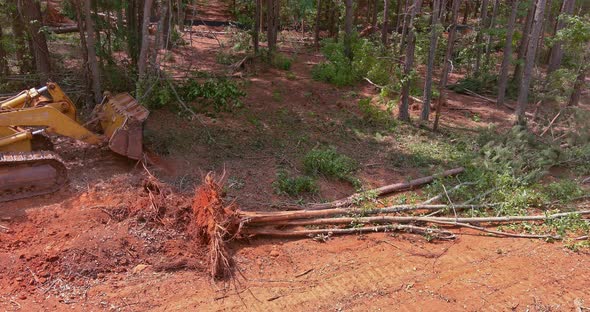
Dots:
(87, 254)
(118, 241)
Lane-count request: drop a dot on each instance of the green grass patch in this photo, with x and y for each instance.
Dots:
(292, 186)
(329, 162)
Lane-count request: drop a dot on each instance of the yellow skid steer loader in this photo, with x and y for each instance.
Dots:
(26, 169)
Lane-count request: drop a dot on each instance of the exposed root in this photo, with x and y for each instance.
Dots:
(215, 223)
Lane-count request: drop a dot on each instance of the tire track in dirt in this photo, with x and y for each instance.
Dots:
(498, 274)
(378, 273)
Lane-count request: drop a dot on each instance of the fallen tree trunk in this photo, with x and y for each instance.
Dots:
(441, 220)
(63, 29)
(440, 234)
(385, 190)
(271, 217)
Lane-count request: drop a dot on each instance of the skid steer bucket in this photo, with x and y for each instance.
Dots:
(122, 118)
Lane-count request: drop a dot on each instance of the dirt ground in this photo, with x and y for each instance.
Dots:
(103, 244)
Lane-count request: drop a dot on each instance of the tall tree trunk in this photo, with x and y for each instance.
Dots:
(478, 39)
(398, 15)
(318, 18)
(466, 12)
(91, 52)
(579, 85)
(256, 30)
(272, 25)
(442, 86)
(529, 62)
(166, 24)
(503, 79)
(132, 25)
(3, 55)
(385, 30)
(522, 47)
(18, 30)
(404, 27)
(434, 33)
(31, 14)
(145, 40)
(556, 53)
(489, 36)
(180, 15)
(262, 20)
(158, 42)
(404, 113)
(87, 74)
(375, 13)
(348, 29)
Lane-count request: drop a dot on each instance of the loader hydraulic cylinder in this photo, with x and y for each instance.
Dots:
(19, 100)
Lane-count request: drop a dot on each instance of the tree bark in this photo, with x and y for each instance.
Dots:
(256, 30)
(145, 42)
(434, 33)
(523, 92)
(385, 30)
(18, 30)
(404, 27)
(478, 39)
(507, 57)
(30, 12)
(404, 113)
(91, 53)
(398, 11)
(556, 53)
(166, 24)
(522, 47)
(318, 19)
(132, 30)
(348, 29)
(375, 13)
(3, 55)
(81, 30)
(490, 37)
(272, 11)
(466, 12)
(445, 72)
(580, 83)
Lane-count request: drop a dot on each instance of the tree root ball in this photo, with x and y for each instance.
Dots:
(215, 224)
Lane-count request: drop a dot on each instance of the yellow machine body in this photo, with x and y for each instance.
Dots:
(23, 172)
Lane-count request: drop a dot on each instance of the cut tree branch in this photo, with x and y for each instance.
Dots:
(269, 217)
(403, 186)
(440, 234)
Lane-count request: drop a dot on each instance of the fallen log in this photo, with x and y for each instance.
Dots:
(440, 234)
(251, 217)
(441, 220)
(64, 29)
(387, 189)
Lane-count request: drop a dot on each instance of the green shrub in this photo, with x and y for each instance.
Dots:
(369, 60)
(520, 153)
(374, 115)
(223, 94)
(281, 61)
(329, 162)
(563, 191)
(154, 93)
(285, 184)
(225, 58)
(484, 83)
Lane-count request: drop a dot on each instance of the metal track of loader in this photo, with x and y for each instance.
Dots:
(28, 174)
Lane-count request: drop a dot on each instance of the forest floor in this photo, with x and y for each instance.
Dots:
(92, 245)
